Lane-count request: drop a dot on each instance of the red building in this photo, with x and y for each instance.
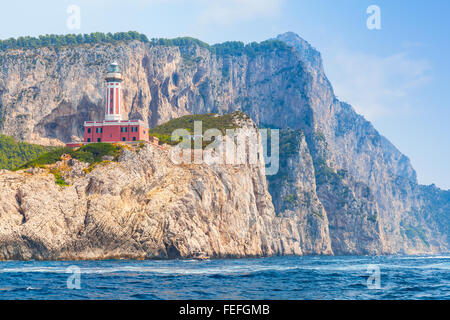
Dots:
(115, 131)
(113, 128)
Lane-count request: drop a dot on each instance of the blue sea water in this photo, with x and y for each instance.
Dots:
(400, 277)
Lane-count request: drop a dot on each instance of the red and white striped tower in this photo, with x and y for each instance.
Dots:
(113, 93)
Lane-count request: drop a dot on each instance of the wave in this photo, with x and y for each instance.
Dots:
(220, 270)
(278, 277)
(240, 267)
(150, 269)
(422, 257)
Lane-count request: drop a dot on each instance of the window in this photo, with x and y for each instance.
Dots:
(89, 140)
(123, 139)
(134, 129)
(111, 101)
(123, 129)
(99, 130)
(134, 138)
(98, 139)
(89, 130)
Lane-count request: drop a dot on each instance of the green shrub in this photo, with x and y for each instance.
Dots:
(209, 121)
(94, 152)
(325, 174)
(14, 153)
(179, 42)
(46, 158)
(54, 40)
(229, 48)
(59, 180)
(413, 232)
(292, 199)
(320, 136)
(289, 141)
(90, 153)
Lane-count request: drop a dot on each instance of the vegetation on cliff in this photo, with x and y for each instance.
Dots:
(91, 153)
(229, 48)
(289, 141)
(21, 155)
(54, 40)
(14, 153)
(209, 121)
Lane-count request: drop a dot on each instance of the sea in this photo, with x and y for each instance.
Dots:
(274, 278)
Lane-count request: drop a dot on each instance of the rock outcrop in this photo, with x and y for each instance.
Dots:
(143, 206)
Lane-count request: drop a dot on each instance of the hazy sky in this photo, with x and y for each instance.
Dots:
(397, 77)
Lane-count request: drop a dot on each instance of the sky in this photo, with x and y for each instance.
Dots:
(397, 76)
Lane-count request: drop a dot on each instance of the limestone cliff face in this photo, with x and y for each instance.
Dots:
(143, 206)
(350, 190)
(345, 141)
(49, 93)
(294, 193)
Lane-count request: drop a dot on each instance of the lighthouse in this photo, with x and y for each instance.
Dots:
(113, 128)
(113, 93)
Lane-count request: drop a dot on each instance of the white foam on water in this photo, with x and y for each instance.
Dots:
(193, 267)
(31, 288)
(337, 267)
(153, 269)
(176, 270)
(442, 266)
(423, 257)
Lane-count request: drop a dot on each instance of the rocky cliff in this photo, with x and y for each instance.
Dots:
(345, 142)
(350, 189)
(142, 206)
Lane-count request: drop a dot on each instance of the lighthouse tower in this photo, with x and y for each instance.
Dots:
(113, 93)
(113, 129)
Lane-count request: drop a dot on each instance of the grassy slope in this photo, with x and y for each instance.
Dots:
(209, 121)
(14, 153)
(91, 153)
